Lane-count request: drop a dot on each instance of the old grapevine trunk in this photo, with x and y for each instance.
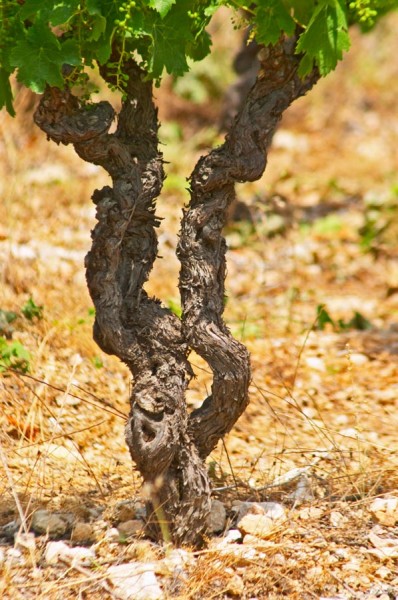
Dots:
(202, 248)
(167, 444)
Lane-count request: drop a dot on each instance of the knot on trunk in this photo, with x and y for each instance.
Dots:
(65, 121)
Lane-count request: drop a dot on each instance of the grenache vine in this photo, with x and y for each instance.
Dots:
(51, 46)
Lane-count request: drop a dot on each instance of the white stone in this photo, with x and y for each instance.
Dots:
(385, 510)
(273, 510)
(55, 551)
(23, 252)
(67, 400)
(15, 557)
(311, 512)
(358, 359)
(303, 491)
(383, 572)
(337, 519)
(350, 432)
(288, 140)
(316, 363)
(177, 559)
(134, 581)
(25, 541)
(59, 551)
(233, 535)
(243, 554)
(258, 525)
(81, 556)
(61, 452)
(112, 535)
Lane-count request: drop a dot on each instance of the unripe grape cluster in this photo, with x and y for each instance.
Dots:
(365, 11)
(125, 11)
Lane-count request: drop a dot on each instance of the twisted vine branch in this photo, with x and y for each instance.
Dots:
(202, 247)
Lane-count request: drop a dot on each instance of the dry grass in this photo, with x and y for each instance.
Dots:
(323, 403)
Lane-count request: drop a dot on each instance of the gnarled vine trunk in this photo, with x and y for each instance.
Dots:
(168, 444)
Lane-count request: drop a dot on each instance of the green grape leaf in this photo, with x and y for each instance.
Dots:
(98, 27)
(169, 39)
(100, 49)
(166, 52)
(271, 19)
(62, 12)
(70, 53)
(98, 33)
(179, 35)
(201, 46)
(93, 7)
(6, 92)
(325, 39)
(39, 57)
(104, 51)
(212, 7)
(31, 7)
(161, 6)
(302, 10)
(97, 50)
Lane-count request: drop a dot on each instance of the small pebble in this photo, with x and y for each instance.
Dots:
(10, 529)
(235, 585)
(82, 532)
(129, 510)
(131, 527)
(233, 535)
(218, 517)
(52, 524)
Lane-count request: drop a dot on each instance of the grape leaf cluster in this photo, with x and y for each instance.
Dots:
(53, 42)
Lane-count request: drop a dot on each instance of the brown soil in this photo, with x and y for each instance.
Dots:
(324, 402)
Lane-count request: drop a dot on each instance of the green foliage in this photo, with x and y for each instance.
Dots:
(6, 318)
(97, 362)
(325, 37)
(330, 225)
(322, 317)
(380, 225)
(31, 310)
(175, 307)
(357, 321)
(13, 355)
(52, 42)
(367, 12)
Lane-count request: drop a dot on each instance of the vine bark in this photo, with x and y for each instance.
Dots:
(167, 444)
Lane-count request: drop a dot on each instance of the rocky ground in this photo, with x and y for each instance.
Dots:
(305, 486)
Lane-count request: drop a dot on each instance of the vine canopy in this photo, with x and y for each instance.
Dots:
(48, 42)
